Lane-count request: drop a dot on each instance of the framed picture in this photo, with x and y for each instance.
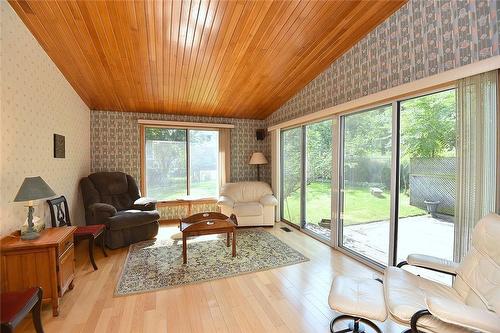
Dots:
(59, 146)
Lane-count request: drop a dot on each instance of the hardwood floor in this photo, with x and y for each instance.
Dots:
(288, 299)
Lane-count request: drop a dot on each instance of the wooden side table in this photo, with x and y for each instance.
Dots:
(47, 262)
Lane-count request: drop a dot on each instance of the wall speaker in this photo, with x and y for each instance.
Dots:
(260, 134)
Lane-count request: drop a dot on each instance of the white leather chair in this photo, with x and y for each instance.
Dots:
(471, 304)
(253, 203)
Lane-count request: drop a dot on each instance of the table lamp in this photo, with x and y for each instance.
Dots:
(32, 188)
(258, 158)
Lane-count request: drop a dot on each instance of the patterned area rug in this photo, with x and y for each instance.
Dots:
(157, 264)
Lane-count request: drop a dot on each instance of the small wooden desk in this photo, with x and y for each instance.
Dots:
(207, 224)
(47, 262)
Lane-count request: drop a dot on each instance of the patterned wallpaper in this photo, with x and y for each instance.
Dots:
(422, 38)
(115, 142)
(37, 101)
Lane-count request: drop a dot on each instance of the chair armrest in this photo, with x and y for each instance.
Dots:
(225, 201)
(432, 263)
(101, 211)
(269, 200)
(145, 204)
(463, 315)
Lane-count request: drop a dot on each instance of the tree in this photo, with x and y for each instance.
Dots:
(428, 129)
(428, 125)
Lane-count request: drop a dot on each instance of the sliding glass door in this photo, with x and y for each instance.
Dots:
(397, 179)
(306, 177)
(365, 179)
(318, 178)
(427, 175)
(392, 173)
(291, 175)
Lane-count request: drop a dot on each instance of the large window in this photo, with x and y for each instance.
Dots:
(180, 162)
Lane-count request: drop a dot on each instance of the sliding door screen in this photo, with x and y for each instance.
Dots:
(365, 198)
(291, 175)
(427, 173)
(166, 163)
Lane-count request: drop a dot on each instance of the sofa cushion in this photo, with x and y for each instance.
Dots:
(132, 218)
(248, 209)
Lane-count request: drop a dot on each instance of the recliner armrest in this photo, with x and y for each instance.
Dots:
(269, 200)
(100, 211)
(225, 201)
(145, 203)
(461, 314)
(433, 263)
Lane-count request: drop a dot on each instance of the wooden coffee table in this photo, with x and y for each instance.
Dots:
(207, 224)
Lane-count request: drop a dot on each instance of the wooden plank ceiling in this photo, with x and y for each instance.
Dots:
(239, 59)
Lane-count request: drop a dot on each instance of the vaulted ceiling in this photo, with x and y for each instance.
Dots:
(239, 59)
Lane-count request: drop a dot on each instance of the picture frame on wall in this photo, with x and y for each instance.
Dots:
(59, 146)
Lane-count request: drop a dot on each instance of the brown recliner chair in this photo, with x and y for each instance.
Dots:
(113, 199)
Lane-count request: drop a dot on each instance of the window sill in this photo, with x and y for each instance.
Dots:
(186, 201)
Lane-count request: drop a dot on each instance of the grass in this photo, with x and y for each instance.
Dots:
(176, 191)
(360, 205)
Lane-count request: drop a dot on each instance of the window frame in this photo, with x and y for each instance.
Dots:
(143, 187)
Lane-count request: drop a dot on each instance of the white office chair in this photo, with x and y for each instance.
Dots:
(471, 304)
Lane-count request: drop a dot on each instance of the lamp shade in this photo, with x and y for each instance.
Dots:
(33, 188)
(258, 158)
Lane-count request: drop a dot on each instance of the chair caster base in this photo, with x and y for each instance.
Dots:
(355, 326)
(359, 328)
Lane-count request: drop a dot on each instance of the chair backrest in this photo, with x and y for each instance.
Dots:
(114, 188)
(478, 278)
(246, 191)
(59, 212)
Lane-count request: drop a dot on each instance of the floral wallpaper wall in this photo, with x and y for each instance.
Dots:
(421, 39)
(36, 102)
(115, 145)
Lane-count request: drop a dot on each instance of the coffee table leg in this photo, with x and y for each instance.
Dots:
(227, 241)
(234, 243)
(184, 249)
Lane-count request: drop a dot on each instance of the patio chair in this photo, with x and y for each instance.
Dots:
(471, 304)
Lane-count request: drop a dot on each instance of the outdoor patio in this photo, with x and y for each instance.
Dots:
(417, 234)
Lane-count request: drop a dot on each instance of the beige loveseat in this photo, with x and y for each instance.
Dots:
(253, 203)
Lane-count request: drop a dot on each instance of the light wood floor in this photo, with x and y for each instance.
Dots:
(288, 299)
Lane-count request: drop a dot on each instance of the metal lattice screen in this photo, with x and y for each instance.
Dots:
(433, 179)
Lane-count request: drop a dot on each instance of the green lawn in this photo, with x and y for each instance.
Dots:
(178, 190)
(360, 205)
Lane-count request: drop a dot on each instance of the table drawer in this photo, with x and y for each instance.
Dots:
(65, 244)
(66, 269)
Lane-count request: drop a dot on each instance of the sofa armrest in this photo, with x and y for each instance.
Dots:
(463, 315)
(100, 211)
(269, 200)
(225, 201)
(432, 263)
(145, 204)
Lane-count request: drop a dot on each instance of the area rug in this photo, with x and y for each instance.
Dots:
(157, 264)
